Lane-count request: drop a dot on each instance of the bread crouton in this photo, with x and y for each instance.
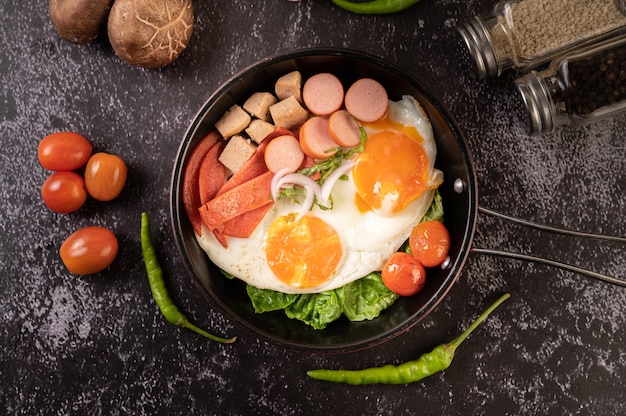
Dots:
(289, 85)
(237, 151)
(258, 105)
(234, 121)
(259, 130)
(288, 113)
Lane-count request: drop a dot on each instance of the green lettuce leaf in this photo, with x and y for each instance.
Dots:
(366, 298)
(265, 300)
(317, 310)
(435, 211)
(362, 299)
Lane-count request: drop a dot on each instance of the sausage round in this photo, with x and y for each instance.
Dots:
(315, 139)
(323, 94)
(367, 100)
(344, 129)
(283, 152)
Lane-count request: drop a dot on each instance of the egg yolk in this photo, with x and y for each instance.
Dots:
(302, 254)
(391, 172)
(387, 124)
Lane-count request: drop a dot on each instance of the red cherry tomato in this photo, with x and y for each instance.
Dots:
(430, 243)
(403, 274)
(64, 151)
(89, 250)
(64, 192)
(105, 176)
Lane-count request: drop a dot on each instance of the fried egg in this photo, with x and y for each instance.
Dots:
(386, 194)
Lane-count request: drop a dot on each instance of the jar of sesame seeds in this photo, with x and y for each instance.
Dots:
(577, 88)
(524, 34)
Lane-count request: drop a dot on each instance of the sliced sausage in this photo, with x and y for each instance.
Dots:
(323, 94)
(283, 152)
(190, 192)
(367, 100)
(315, 139)
(344, 129)
(211, 175)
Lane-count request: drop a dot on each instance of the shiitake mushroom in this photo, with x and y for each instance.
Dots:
(79, 21)
(150, 33)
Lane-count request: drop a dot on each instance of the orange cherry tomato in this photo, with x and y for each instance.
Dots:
(430, 242)
(64, 192)
(64, 151)
(105, 176)
(89, 250)
(403, 274)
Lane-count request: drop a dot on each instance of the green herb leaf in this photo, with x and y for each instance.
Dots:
(328, 166)
(366, 298)
(265, 300)
(317, 310)
(435, 211)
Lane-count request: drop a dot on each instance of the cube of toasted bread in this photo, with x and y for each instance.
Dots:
(259, 130)
(258, 105)
(237, 152)
(289, 85)
(288, 113)
(234, 121)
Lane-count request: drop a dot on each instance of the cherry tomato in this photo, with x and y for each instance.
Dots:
(430, 242)
(64, 151)
(64, 192)
(105, 176)
(403, 274)
(89, 250)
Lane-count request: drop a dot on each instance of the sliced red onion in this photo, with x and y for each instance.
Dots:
(274, 187)
(332, 179)
(313, 190)
(300, 180)
(307, 204)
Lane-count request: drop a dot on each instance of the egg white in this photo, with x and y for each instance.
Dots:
(368, 240)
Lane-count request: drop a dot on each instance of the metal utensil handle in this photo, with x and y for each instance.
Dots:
(525, 257)
(565, 266)
(550, 229)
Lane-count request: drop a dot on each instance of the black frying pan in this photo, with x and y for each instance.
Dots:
(459, 192)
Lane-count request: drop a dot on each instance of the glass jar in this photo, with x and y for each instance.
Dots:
(525, 34)
(577, 88)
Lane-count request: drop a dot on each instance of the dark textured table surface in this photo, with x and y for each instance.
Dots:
(98, 345)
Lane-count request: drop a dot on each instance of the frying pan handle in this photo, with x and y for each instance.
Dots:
(518, 256)
(550, 229)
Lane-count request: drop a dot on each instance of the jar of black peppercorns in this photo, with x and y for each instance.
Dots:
(578, 88)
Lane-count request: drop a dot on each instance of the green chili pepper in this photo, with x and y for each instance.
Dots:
(375, 6)
(159, 291)
(428, 364)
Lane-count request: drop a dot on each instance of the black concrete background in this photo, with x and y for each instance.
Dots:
(98, 345)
